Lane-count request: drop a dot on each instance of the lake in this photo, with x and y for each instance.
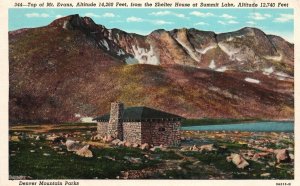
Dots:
(254, 127)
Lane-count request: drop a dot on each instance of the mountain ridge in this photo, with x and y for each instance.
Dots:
(187, 72)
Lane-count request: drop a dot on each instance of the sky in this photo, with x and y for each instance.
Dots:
(144, 20)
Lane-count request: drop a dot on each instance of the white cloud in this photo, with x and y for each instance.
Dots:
(164, 13)
(108, 14)
(200, 23)
(232, 22)
(227, 16)
(284, 18)
(222, 22)
(155, 22)
(201, 14)
(91, 15)
(180, 15)
(267, 15)
(228, 22)
(42, 15)
(160, 13)
(251, 22)
(259, 16)
(161, 22)
(134, 19)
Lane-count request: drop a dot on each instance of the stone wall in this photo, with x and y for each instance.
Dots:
(115, 127)
(163, 132)
(102, 128)
(132, 132)
(155, 133)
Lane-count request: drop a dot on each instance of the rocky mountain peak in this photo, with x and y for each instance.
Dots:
(74, 22)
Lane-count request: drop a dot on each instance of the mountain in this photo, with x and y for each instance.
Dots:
(73, 68)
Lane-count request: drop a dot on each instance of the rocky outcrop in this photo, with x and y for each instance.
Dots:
(282, 155)
(85, 152)
(79, 149)
(238, 160)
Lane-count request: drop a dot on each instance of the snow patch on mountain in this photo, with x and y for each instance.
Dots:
(229, 39)
(268, 71)
(190, 51)
(280, 78)
(131, 60)
(77, 115)
(241, 36)
(221, 69)
(109, 34)
(274, 58)
(212, 64)
(145, 56)
(230, 51)
(204, 50)
(251, 80)
(225, 93)
(105, 44)
(120, 52)
(282, 74)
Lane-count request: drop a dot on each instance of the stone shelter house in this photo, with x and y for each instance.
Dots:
(140, 125)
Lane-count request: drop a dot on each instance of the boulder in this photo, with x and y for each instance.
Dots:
(121, 143)
(209, 148)
(85, 152)
(265, 174)
(135, 145)
(282, 155)
(162, 147)
(145, 146)
(109, 138)
(15, 138)
(194, 148)
(51, 137)
(238, 160)
(127, 144)
(185, 148)
(292, 156)
(155, 148)
(96, 137)
(73, 146)
(115, 142)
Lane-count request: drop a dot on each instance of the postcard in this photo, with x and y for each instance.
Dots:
(149, 92)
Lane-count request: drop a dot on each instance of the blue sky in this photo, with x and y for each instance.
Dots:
(145, 20)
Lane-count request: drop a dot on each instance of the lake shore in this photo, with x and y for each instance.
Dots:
(217, 121)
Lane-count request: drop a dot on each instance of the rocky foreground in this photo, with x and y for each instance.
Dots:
(202, 155)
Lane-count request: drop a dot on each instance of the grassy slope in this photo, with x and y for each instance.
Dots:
(69, 165)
